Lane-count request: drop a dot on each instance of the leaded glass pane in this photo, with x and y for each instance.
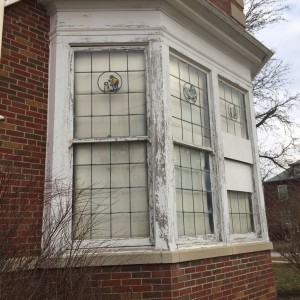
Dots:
(140, 224)
(112, 86)
(82, 62)
(193, 198)
(114, 176)
(233, 111)
(189, 93)
(110, 101)
(240, 211)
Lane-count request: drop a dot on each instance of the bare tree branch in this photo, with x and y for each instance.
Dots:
(261, 13)
(273, 101)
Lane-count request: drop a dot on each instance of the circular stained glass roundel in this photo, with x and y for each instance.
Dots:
(109, 82)
(190, 93)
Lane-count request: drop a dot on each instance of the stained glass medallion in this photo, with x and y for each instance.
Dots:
(233, 112)
(109, 82)
(189, 92)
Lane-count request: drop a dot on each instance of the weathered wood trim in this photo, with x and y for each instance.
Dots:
(221, 203)
(162, 148)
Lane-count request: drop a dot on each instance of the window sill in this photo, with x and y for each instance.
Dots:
(146, 256)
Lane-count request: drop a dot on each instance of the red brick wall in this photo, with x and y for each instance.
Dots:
(23, 103)
(225, 5)
(244, 276)
(281, 212)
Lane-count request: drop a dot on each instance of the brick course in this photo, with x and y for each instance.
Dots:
(245, 276)
(23, 103)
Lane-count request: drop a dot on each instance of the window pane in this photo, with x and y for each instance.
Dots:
(184, 71)
(136, 61)
(81, 226)
(100, 61)
(192, 180)
(120, 176)
(82, 105)
(174, 67)
(119, 126)
(139, 200)
(82, 127)
(101, 226)
(82, 177)
(176, 109)
(189, 224)
(175, 87)
(188, 202)
(137, 103)
(119, 104)
(100, 127)
(119, 153)
(138, 126)
(118, 61)
(120, 225)
(233, 111)
(240, 211)
(83, 83)
(136, 82)
(140, 224)
(100, 176)
(82, 62)
(110, 101)
(138, 175)
(101, 201)
(120, 201)
(138, 152)
(188, 119)
(82, 155)
(100, 154)
(100, 105)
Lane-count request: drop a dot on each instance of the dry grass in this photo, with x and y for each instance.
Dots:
(287, 281)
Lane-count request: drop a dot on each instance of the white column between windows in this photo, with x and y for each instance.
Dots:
(58, 162)
(163, 189)
(219, 181)
(259, 213)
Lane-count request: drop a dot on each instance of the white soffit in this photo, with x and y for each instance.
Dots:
(199, 16)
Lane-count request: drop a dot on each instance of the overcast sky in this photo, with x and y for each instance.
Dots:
(284, 38)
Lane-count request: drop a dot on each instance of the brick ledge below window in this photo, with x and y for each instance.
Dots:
(119, 257)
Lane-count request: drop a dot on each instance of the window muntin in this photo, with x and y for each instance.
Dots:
(110, 102)
(193, 192)
(233, 110)
(190, 111)
(282, 192)
(191, 134)
(240, 212)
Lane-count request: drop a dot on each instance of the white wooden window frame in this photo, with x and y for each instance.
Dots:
(207, 238)
(117, 242)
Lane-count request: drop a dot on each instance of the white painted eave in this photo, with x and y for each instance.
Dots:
(199, 16)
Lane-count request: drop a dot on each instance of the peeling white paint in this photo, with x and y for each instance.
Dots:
(159, 33)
